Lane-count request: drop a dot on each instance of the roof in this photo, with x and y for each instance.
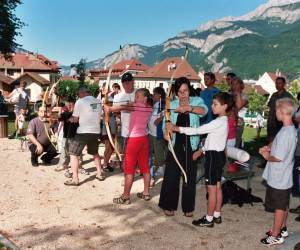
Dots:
(67, 78)
(28, 62)
(273, 76)
(34, 76)
(120, 68)
(166, 68)
(6, 79)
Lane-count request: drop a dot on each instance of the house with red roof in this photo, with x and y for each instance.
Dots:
(133, 66)
(37, 70)
(161, 73)
(267, 81)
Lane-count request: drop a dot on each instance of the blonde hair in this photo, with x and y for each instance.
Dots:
(287, 105)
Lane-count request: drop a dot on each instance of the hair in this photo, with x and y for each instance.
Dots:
(23, 84)
(146, 93)
(286, 104)
(280, 78)
(1, 92)
(211, 75)
(180, 81)
(116, 85)
(84, 90)
(239, 81)
(160, 91)
(198, 91)
(225, 98)
(231, 74)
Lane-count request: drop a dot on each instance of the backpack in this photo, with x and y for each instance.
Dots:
(233, 194)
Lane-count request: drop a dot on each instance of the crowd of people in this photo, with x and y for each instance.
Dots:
(202, 123)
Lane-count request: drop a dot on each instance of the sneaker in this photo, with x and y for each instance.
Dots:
(271, 240)
(68, 174)
(203, 222)
(217, 220)
(295, 210)
(297, 218)
(283, 233)
(84, 171)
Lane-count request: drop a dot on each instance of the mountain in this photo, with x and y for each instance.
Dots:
(265, 39)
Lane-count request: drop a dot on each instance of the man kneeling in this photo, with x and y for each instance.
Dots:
(39, 140)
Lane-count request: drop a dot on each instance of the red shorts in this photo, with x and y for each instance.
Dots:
(137, 153)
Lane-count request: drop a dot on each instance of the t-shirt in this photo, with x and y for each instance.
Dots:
(89, 110)
(217, 131)
(279, 175)
(207, 96)
(231, 127)
(272, 120)
(243, 111)
(139, 119)
(122, 99)
(155, 115)
(37, 128)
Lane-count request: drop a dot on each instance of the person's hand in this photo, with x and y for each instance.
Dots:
(169, 126)
(158, 121)
(106, 108)
(183, 109)
(197, 154)
(166, 136)
(73, 119)
(265, 152)
(39, 149)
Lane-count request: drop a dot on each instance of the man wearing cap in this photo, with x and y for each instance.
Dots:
(87, 112)
(123, 98)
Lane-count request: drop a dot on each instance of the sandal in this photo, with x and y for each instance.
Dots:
(169, 213)
(188, 214)
(71, 183)
(121, 200)
(143, 196)
(100, 178)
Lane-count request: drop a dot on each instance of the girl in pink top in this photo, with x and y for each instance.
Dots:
(137, 148)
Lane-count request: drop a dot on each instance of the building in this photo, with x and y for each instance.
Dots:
(36, 69)
(160, 74)
(133, 66)
(267, 81)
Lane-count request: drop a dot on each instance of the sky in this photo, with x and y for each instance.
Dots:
(68, 30)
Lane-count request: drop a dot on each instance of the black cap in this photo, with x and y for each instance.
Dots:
(127, 77)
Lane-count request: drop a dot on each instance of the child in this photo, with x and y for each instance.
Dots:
(137, 149)
(20, 122)
(279, 171)
(156, 140)
(214, 147)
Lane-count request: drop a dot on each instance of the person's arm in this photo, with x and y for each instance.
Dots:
(240, 102)
(204, 129)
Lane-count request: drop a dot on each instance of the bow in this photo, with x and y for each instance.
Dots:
(44, 105)
(106, 102)
(168, 117)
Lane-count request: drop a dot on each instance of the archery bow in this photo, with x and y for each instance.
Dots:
(44, 105)
(106, 102)
(168, 117)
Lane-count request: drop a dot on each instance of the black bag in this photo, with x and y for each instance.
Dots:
(233, 194)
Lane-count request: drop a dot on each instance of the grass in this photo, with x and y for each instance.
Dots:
(251, 145)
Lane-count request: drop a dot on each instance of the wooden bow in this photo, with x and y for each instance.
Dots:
(106, 103)
(168, 117)
(44, 105)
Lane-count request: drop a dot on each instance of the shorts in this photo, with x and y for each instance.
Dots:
(214, 164)
(78, 143)
(137, 152)
(277, 199)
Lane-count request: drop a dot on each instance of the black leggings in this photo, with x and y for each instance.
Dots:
(47, 157)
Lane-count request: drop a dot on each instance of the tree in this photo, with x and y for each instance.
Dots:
(9, 26)
(223, 86)
(257, 102)
(81, 70)
(294, 88)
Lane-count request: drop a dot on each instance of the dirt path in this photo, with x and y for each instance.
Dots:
(39, 212)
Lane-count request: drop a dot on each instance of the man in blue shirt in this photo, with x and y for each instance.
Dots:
(207, 96)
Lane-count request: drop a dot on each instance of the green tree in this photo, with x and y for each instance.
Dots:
(257, 102)
(9, 26)
(223, 86)
(294, 88)
(81, 71)
(68, 90)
